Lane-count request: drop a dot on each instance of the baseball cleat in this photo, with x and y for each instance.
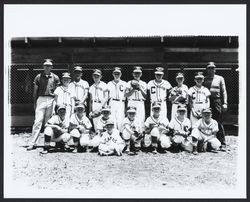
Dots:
(75, 150)
(195, 152)
(44, 151)
(223, 148)
(155, 151)
(30, 147)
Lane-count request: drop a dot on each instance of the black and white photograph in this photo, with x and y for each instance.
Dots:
(123, 101)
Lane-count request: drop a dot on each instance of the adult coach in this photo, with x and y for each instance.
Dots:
(218, 99)
(44, 85)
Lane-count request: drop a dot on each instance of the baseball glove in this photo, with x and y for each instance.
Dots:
(95, 114)
(135, 84)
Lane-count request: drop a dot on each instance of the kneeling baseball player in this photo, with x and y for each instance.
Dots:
(111, 141)
(56, 129)
(180, 129)
(156, 130)
(204, 133)
(131, 132)
(80, 127)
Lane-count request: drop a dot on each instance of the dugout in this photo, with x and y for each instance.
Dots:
(175, 53)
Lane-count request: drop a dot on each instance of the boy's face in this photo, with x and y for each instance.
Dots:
(156, 111)
(207, 115)
(137, 75)
(110, 128)
(66, 81)
(62, 113)
(80, 110)
(117, 75)
(96, 78)
(180, 80)
(181, 113)
(106, 114)
(131, 115)
(199, 81)
(158, 76)
(78, 75)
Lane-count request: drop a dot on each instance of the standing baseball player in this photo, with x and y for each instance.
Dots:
(111, 141)
(56, 129)
(180, 129)
(198, 98)
(44, 85)
(158, 90)
(63, 95)
(136, 93)
(178, 94)
(116, 92)
(98, 97)
(80, 127)
(218, 99)
(131, 132)
(156, 127)
(204, 132)
(79, 87)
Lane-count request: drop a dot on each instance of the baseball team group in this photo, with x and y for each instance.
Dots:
(109, 118)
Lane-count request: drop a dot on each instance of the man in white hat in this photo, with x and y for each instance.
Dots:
(136, 94)
(45, 84)
(56, 129)
(178, 94)
(198, 98)
(159, 89)
(218, 99)
(116, 92)
(79, 87)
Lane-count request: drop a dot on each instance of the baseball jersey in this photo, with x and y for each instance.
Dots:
(207, 129)
(134, 125)
(160, 121)
(101, 124)
(117, 90)
(136, 95)
(64, 95)
(199, 96)
(56, 120)
(79, 89)
(84, 121)
(158, 91)
(178, 125)
(182, 90)
(97, 91)
(111, 138)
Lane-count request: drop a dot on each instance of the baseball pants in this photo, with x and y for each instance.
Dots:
(117, 112)
(110, 148)
(127, 136)
(56, 136)
(96, 106)
(84, 138)
(44, 108)
(163, 108)
(185, 143)
(140, 111)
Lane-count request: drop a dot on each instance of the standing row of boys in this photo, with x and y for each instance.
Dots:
(62, 109)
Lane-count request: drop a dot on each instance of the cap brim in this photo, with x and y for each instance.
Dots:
(131, 111)
(182, 109)
(97, 74)
(117, 71)
(137, 71)
(199, 77)
(179, 77)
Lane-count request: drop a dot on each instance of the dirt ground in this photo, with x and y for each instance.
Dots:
(143, 171)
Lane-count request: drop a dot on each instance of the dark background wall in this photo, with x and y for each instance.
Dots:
(186, 54)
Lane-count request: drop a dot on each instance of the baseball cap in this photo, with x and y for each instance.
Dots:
(66, 75)
(159, 70)
(131, 109)
(97, 72)
(179, 75)
(211, 65)
(199, 75)
(78, 68)
(181, 108)
(117, 69)
(109, 122)
(60, 107)
(207, 110)
(107, 109)
(156, 105)
(48, 62)
(80, 106)
(137, 69)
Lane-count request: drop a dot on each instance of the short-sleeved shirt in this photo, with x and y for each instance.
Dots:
(180, 126)
(134, 125)
(56, 120)
(102, 123)
(98, 91)
(46, 84)
(64, 95)
(137, 95)
(113, 138)
(182, 90)
(158, 91)
(117, 90)
(80, 89)
(199, 96)
(207, 129)
(74, 120)
(160, 121)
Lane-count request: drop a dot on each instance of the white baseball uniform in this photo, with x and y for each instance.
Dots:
(117, 100)
(137, 100)
(65, 97)
(183, 91)
(199, 98)
(158, 93)
(111, 143)
(80, 89)
(98, 93)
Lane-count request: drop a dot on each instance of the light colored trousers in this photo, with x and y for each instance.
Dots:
(117, 112)
(96, 106)
(140, 111)
(44, 107)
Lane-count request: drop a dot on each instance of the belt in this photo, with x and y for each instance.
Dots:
(199, 103)
(97, 101)
(157, 100)
(137, 100)
(118, 100)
